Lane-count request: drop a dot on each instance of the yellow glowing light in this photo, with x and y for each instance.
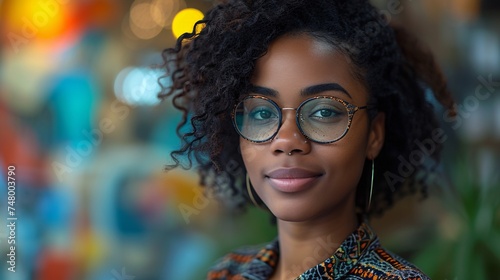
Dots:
(185, 20)
(36, 19)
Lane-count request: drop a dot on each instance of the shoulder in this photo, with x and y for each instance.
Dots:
(383, 264)
(233, 264)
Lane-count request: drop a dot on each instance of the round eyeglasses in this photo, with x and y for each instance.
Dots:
(322, 119)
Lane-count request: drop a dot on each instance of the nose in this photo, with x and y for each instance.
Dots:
(289, 140)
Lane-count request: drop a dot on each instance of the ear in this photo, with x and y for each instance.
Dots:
(376, 137)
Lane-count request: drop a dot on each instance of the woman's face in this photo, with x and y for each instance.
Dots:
(316, 179)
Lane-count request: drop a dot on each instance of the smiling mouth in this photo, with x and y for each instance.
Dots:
(292, 180)
(292, 185)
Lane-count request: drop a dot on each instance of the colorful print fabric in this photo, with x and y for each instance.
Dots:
(359, 257)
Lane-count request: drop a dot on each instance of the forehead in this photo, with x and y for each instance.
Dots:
(295, 62)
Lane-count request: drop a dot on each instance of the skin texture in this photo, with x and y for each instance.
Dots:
(326, 209)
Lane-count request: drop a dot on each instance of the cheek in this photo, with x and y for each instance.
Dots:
(355, 142)
(346, 159)
(345, 162)
(250, 153)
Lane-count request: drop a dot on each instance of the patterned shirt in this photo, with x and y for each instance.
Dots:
(359, 257)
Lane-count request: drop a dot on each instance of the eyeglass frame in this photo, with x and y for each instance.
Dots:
(351, 110)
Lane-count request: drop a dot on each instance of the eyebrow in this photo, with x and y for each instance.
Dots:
(308, 91)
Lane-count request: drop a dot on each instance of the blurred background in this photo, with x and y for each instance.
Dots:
(81, 125)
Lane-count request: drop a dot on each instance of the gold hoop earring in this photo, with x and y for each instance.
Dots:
(371, 186)
(250, 193)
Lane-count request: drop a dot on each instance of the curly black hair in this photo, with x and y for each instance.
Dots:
(211, 69)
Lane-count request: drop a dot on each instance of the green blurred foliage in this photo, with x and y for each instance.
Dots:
(472, 204)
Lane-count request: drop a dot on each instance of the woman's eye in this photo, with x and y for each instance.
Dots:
(324, 113)
(261, 114)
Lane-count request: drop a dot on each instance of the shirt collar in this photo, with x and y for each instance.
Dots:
(355, 246)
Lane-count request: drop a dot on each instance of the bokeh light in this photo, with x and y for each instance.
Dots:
(140, 15)
(147, 18)
(185, 20)
(138, 86)
(145, 33)
(141, 23)
(163, 11)
(36, 19)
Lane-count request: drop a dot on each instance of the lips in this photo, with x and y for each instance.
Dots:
(291, 180)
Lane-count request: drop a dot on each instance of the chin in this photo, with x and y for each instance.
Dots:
(291, 212)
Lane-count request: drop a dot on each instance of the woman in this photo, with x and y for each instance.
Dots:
(317, 102)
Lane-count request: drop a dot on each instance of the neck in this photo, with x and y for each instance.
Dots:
(305, 244)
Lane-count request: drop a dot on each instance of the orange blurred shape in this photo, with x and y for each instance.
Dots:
(41, 19)
(52, 19)
(55, 265)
